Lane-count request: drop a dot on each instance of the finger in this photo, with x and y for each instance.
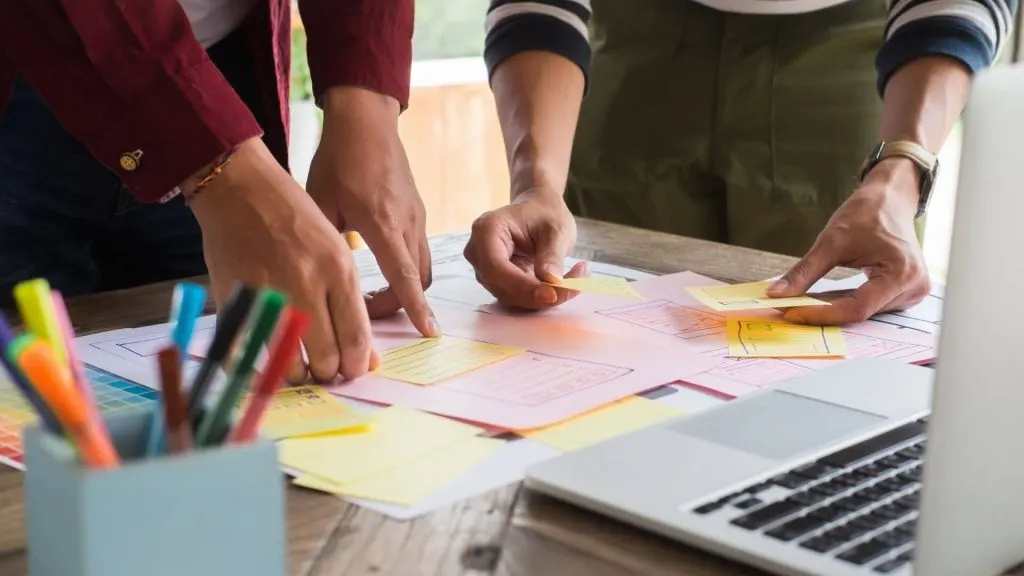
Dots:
(578, 270)
(404, 285)
(490, 251)
(799, 279)
(549, 259)
(321, 343)
(351, 327)
(857, 306)
(297, 371)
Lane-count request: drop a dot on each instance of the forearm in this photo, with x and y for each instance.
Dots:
(923, 101)
(360, 43)
(538, 97)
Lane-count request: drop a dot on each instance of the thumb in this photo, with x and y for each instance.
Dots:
(549, 260)
(818, 262)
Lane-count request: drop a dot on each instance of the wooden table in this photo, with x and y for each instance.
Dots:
(508, 532)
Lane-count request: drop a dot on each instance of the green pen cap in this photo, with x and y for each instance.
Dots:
(18, 345)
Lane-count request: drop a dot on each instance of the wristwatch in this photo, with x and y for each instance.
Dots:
(927, 163)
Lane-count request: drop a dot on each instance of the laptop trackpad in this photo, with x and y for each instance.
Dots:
(776, 425)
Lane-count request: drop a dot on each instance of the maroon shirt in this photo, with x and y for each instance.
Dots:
(129, 77)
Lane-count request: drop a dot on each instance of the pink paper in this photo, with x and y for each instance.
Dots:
(671, 317)
(566, 371)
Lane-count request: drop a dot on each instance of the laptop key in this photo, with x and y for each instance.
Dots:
(791, 481)
(814, 470)
(820, 544)
(891, 565)
(865, 552)
(884, 441)
(852, 503)
(767, 514)
(806, 497)
(748, 503)
(708, 508)
(795, 528)
(830, 488)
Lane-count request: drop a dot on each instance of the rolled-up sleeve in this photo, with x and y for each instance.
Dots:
(555, 26)
(127, 78)
(365, 43)
(972, 32)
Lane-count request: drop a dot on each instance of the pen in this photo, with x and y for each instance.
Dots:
(46, 415)
(179, 432)
(36, 307)
(282, 351)
(78, 376)
(228, 325)
(38, 361)
(215, 423)
(186, 307)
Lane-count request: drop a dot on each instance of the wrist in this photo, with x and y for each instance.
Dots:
(528, 175)
(249, 160)
(898, 176)
(352, 103)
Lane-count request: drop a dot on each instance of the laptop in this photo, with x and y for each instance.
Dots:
(869, 466)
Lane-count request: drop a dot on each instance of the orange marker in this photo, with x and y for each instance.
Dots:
(53, 382)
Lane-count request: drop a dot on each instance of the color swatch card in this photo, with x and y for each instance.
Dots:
(398, 435)
(409, 483)
(751, 296)
(432, 360)
(306, 410)
(611, 287)
(764, 339)
(615, 419)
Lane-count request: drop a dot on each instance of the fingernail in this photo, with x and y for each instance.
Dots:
(374, 360)
(545, 294)
(778, 286)
(434, 327)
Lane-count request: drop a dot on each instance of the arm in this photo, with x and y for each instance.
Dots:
(537, 57)
(125, 77)
(360, 46)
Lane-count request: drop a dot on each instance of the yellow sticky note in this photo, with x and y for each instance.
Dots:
(431, 360)
(398, 435)
(407, 484)
(307, 410)
(603, 423)
(728, 297)
(760, 339)
(614, 287)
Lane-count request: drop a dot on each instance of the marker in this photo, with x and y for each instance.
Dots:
(282, 351)
(78, 376)
(228, 325)
(46, 415)
(36, 307)
(52, 380)
(215, 423)
(179, 432)
(186, 307)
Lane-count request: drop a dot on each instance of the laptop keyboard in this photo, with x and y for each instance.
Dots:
(858, 504)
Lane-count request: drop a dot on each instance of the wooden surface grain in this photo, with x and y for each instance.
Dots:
(507, 532)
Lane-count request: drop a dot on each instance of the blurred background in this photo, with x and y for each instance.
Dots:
(453, 140)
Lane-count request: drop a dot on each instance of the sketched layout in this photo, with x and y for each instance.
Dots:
(753, 371)
(669, 318)
(532, 379)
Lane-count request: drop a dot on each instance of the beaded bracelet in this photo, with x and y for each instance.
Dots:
(217, 166)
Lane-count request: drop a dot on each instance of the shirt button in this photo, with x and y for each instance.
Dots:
(129, 161)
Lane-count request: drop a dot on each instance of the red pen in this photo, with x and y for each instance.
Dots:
(286, 346)
(179, 432)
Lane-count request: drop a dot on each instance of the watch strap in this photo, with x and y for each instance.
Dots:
(926, 161)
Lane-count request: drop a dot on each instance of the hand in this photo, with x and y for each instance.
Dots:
(260, 228)
(516, 248)
(874, 231)
(360, 179)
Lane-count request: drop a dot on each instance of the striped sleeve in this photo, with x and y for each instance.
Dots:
(971, 31)
(558, 26)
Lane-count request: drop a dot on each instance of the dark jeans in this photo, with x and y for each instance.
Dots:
(66, 218)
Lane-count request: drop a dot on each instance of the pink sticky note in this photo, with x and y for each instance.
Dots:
(564, 371)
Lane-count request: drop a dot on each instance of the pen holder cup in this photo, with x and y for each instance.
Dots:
(215, 511)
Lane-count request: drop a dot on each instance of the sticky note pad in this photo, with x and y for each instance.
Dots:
(431, 360)
(407, 484)
(751, 296)
(608, 421)
(760, 339)
(614, 287)
(397, 436)
(307, 410)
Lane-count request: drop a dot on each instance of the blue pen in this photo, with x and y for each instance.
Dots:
(186, 307)
(45, 414)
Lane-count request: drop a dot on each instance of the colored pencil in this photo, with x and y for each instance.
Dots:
(32, 396)
(229, 323)
(215, 424)
(40, 365)
(36, 307)
(179, 432)
(186, 307)
(284, 349)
